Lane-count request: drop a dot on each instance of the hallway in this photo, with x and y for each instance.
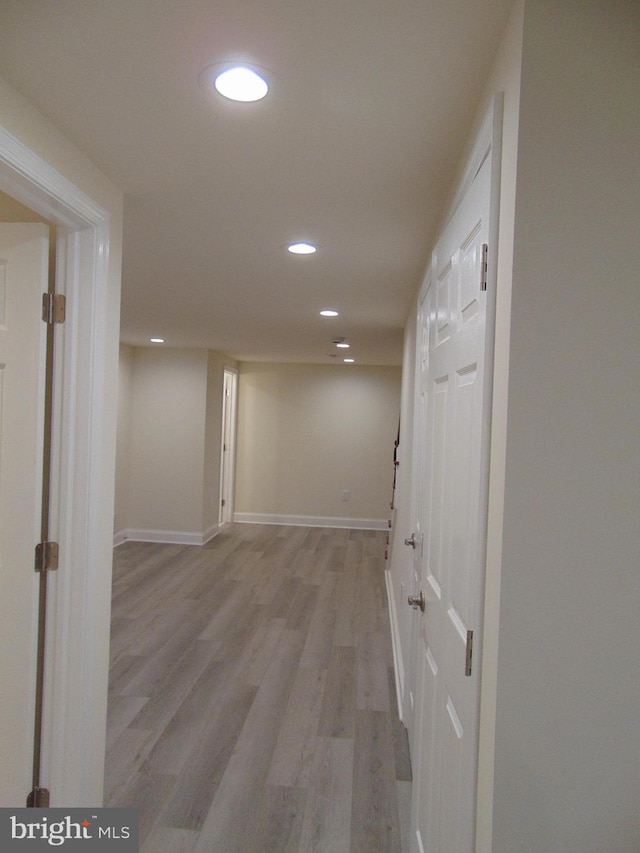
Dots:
(252, 702)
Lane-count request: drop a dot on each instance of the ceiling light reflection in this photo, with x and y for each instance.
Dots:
(302, 249)
(241, 84)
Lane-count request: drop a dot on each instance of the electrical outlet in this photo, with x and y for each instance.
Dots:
(346, 494)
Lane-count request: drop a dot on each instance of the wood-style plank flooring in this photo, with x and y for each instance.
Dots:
(252, 701)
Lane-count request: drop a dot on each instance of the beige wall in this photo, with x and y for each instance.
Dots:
(168, 415)
(169, 434)
(566, 760)
(307, 432)
(123, 447)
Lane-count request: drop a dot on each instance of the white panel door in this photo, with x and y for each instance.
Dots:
(23, 279)
(452, 394)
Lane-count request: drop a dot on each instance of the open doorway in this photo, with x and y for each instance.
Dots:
(75, 698)
(228, 448)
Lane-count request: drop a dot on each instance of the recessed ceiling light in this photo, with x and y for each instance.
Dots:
(328, 312)
(349, 360)
(302, 248)
(343, 345)
(157, 340)
(241, 83)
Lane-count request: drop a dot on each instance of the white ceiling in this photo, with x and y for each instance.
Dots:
(353, 149)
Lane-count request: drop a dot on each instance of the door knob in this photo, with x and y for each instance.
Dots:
(418, 602)
(411, 542)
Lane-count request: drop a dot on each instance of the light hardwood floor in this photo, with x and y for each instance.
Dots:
(252, 702)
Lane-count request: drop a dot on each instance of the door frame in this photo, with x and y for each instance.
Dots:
(487, 144)
(228, 456)
(82, 479)
(416, 487)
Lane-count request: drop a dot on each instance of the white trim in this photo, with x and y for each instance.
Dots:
(119, 538)
(311, 521)
(210, 533)
(29, 179)
(228, 435)
(167, 537)
(482, 147)
(487, 144)
(82, 480)
(396, 645)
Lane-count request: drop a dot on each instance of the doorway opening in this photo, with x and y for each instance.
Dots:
(75, 698)
(228, 448)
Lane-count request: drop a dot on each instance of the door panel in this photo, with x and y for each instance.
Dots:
(425, 815)
(23, 279)
(436, 473)
(423, 332)
(452, 388)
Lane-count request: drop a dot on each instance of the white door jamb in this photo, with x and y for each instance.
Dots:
(82, 480)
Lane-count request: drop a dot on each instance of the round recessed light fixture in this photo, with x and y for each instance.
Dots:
(302, 248)
(241, 83)
(349, 360)
(157, 340)
(237, 81)
(328, 312)
(343, 345)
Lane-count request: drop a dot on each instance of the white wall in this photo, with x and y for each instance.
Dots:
(567, 760)
(307, 432)
(169, 434)
(168, 416)
(123, 446)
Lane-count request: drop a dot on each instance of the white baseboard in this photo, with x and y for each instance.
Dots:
(119, 537)
(209, 534)
(166, 537)
(311, 521)
(398, 663)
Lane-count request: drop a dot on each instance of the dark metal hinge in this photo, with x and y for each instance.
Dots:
(46, 556)
(469, 655)
(483, 279)
(53, 308)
